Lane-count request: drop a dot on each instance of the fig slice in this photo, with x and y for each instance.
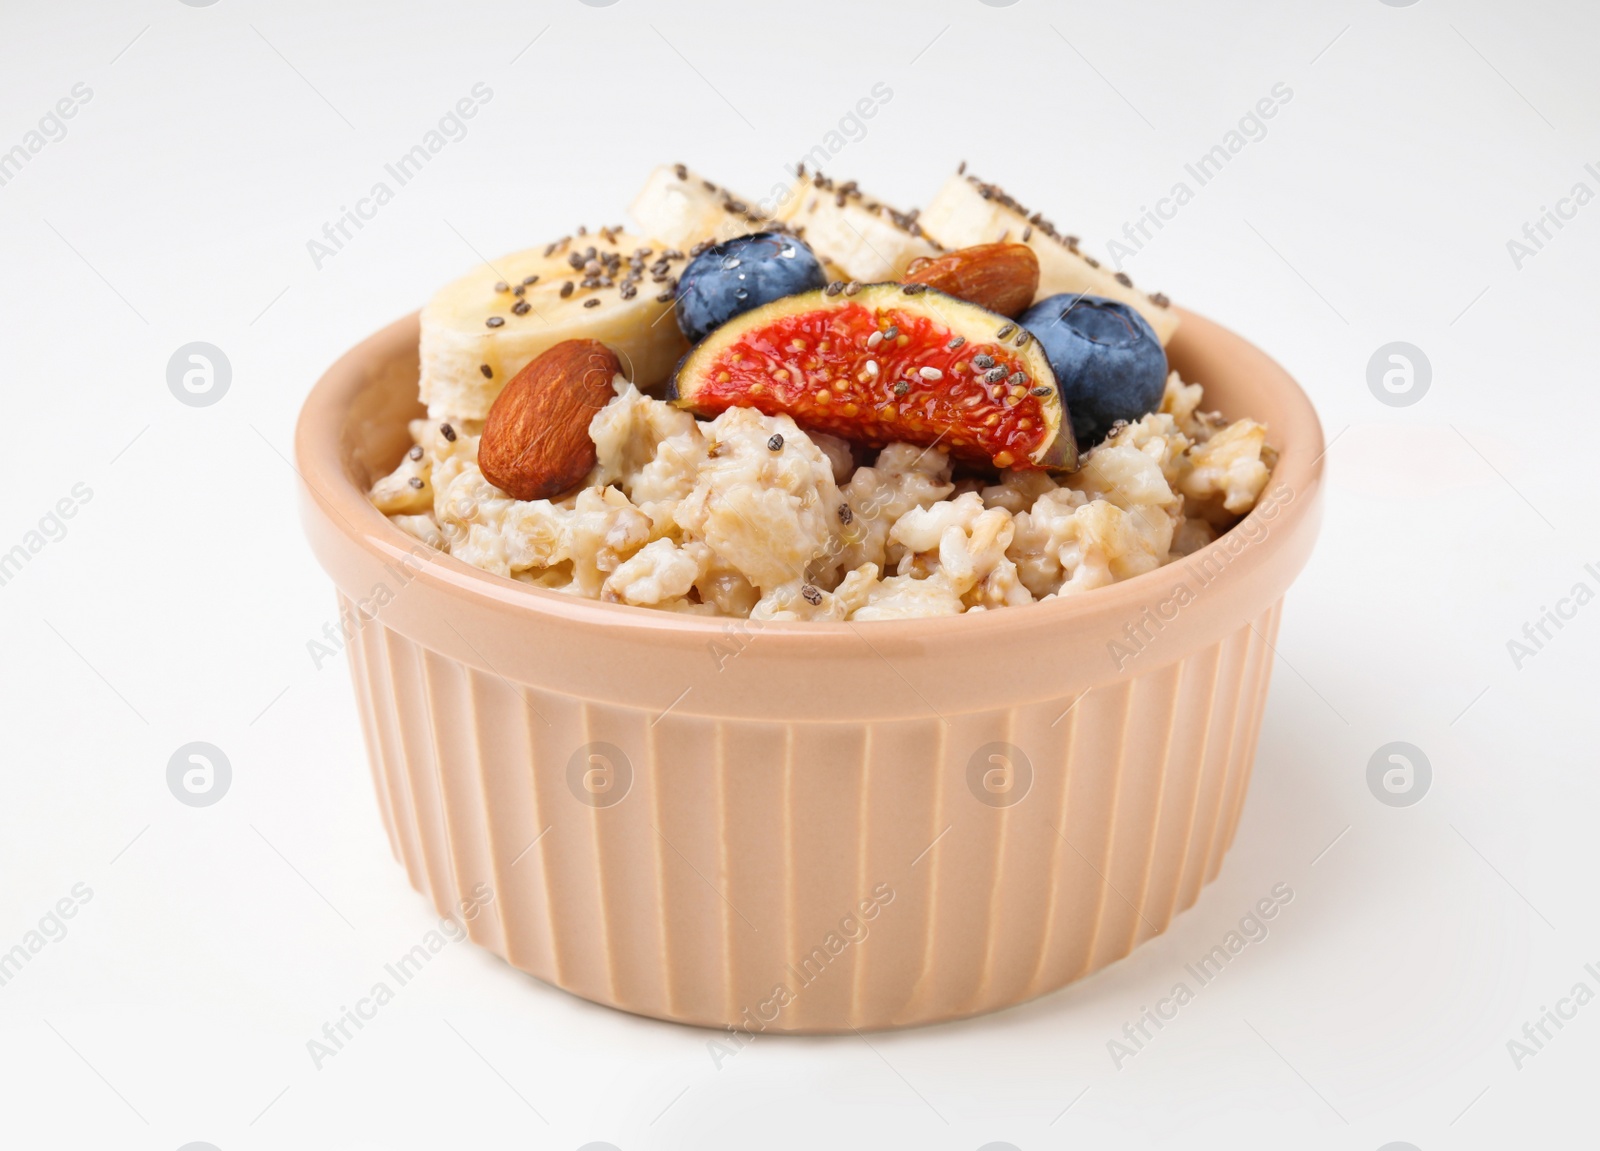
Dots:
(887, 363)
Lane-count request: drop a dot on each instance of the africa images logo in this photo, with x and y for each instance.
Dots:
(198, 374)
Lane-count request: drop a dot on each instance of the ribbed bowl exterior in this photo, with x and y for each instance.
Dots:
(806, 827)
(740, 847)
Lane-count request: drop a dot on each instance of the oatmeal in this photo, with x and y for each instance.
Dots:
(749, 515)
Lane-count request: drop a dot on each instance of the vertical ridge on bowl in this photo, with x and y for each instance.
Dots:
(534, 921)
(361, 677)
(861, 880)
(574, 961)
(1267, 633)
(1175, 676)
(1182, 760)
(1092, 817)
(902, 790)
(825, 808)
(375, 697)
(789, 877)
(1246, 713)
(496, 739)
(742, 956)
(698, 938)
(1217, 762)
(415, 733)
(725, 979)
(1006, 894)
(470, 827)
(937, 848)
(1207, 669)
(581, 877)
(511, 813)
(1002, 879)
(625, 852)
(1146, 722)
(973, 862)
(1055, 818)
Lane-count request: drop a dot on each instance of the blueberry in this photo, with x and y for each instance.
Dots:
(740, 274)
(1106, 358)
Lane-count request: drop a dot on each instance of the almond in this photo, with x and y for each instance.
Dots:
(536, 443)
(1000, 277)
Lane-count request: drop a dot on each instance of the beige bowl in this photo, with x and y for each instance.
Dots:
(805, 826)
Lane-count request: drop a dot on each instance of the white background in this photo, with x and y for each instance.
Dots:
(219, 139)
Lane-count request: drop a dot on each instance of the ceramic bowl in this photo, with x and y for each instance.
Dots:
(795, 826)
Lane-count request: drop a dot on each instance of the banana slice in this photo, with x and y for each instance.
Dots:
(680, 208)
(856, 238)
(864, 238)
(482, 329)
(967, 211)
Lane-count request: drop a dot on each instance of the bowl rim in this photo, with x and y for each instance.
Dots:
(324, 481)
